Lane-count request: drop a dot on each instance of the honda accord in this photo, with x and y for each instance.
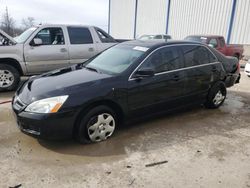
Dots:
(90, 100)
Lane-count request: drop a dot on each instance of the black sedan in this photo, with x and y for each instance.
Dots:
(89, 100)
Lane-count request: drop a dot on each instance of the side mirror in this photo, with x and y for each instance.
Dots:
(144, 72)
(37, 42)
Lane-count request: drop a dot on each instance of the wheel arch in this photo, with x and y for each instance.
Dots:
(12, 62)
(109, 103)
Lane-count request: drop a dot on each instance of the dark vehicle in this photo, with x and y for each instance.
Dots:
(89, 100)
(218, 42)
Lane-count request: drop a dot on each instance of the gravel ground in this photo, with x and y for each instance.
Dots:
(192, 148)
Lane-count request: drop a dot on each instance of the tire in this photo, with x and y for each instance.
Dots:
(90, 130)
(9, 77)
(216, 95)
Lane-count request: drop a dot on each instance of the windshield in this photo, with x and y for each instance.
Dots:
(25, 35)
(196, 39)
(117, 59)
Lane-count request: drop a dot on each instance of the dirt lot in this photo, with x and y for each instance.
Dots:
(200, 148)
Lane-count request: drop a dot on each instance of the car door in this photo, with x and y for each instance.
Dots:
(50, 55)
(201, 68)
(164, 89)
(82, 46)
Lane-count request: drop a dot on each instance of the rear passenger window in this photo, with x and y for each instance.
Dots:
(197, 55)
(79, 35)
(166, 59)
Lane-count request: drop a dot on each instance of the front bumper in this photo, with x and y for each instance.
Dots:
(46, 126)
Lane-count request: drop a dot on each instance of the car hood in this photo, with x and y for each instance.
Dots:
(64, 81)
(7, 36)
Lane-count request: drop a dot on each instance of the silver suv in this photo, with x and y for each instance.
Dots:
(48, 47)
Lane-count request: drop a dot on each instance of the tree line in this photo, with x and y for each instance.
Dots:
(8, 24)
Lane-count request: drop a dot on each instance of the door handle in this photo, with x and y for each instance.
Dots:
(214, 69)
(176, 78)
(91, 49)
(63, 50)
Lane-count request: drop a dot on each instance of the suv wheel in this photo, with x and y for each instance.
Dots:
(97, 125)
(216, 96)
(9, 78)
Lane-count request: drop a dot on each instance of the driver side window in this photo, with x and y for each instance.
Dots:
(51, 36)
(165, 59)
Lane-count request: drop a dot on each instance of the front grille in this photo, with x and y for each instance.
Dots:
(29, 128)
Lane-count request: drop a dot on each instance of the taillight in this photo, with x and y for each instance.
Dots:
(238, 68)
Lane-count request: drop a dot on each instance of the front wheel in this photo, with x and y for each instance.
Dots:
(9, 78)
(216, 95)
(97, 125)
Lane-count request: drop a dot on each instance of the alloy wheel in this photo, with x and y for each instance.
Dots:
(6, 78)
(219, 97)
(101, 127)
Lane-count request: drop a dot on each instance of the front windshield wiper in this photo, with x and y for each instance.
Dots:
(91, 68)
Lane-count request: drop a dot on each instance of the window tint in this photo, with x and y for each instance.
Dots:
(158, 37)
(197, 55)
(222, 42)
(165, 59)
(214, 43)
(167, 37)
(80, 35)
(51, 36)
(104, 37)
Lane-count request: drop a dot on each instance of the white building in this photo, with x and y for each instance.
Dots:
(179, 18)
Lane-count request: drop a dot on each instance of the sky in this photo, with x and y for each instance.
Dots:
(85, 12)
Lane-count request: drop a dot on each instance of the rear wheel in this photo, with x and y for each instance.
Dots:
(97, 125)
(9, 77)
(216, 96)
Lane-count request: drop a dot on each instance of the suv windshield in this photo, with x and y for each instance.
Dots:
(117, 59)
(25, 35)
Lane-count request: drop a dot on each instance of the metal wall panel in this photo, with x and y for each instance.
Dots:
(151, 17)
(122, 17)
(199, 17)
(241, 26)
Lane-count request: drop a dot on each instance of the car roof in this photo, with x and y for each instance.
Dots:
(207, 36)
(154, 35)
(156, 43)
(60, 25)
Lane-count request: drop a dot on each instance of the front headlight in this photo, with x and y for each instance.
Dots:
(48, 105)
